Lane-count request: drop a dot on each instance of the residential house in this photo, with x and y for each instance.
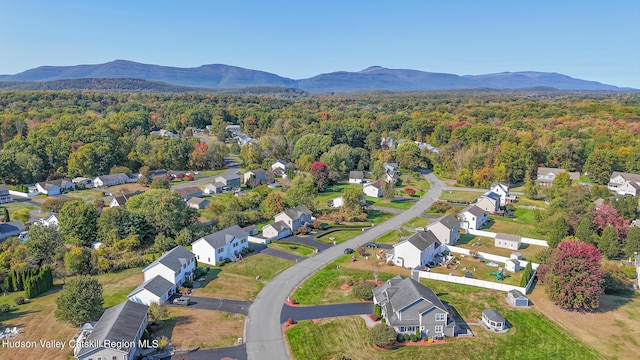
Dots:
(82, 181)
(152, 174)
(446, 229)
(50, 220)
(391, 173)
(110, 180)
(512, 265)
(489, 202)
(507, 241)
(356, 177)
(295, 217)
(176, 266)
(387, 142)
(233, 128)
(223, 244)
(156, 290)
(390, 166)
(251, 230)
(624, 183)
(373, 189)
(516, 298)
(10, 229)
(121, 200)
(197, 203)
(5, 197)
(55, 187)
(416, 251)
(215, 188)
(116, 335)
(189, 192)
(165, 133)
(472, 218)
(407, 306)
(259, 175)
(279, 167)
(493, 320)
(545, 175)
(276, 231)
(502, 190)
(336, 202)
(230, 180)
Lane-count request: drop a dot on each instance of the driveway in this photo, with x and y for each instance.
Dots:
(385, 209)
(263, 249)
(263, 332)
(226, 305)
(238, 352)
(325, 311)
(308, 240)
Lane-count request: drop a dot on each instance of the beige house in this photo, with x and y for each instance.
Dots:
(507, 241)
(446, 229)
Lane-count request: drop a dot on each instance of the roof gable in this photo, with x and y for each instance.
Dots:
(421, 240)
(158, 286)
(449, 222)
(173, 259)
(223, 237)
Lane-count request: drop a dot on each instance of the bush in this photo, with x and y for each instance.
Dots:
(383, 335)
(406, 337)
(187, 284)
(414, 338)
(629, 271)
(400, 338)
(361, 251)
(199, 272)
(440, 207)
(378, 311)
(349, 282)
(363, 290)
(19, 300)
(5, 308)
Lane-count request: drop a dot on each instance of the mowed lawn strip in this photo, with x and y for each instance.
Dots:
(459, 196)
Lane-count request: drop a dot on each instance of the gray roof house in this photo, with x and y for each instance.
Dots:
(493, 320)
(156, 290)
(418, 250)
(175, 265)
(295, 217)
(230, 180)
(446, 229)
(546, 176)
(472, 218)
(110, 180)
(356, 177)
(11, 228)
(5, 197)
(408, 305)
(224, 244)
(116, 334)
(189, 192)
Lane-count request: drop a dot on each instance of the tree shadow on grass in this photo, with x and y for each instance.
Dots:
(167, 326)
(13, 314)
(211, 275)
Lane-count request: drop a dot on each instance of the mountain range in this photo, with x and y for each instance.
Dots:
(218, 76)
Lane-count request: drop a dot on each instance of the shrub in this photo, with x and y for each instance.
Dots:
(400, 338)
(208, 269)
(418, 335)
(19, 300)
(629, 271)
(410, 191)
(541, 272)
(363, 290)
(5, 308)
(406, 337)
(199, 272)
(378, 311)
(361, 251)
(187, 284)
(382, 335)
(440, 207)
(414, 338)
(349, 282)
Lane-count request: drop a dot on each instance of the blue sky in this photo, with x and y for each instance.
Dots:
(593, 40)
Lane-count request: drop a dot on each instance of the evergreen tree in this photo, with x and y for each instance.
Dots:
(14, 281)
(633, 242)
(6, 215)
(527, 275)
(559, 229)
(608, 242)
(585, 232)
(27, 290)
(7, 284)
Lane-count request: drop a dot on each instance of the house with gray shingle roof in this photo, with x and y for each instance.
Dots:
(223, 244)
(276, 231)
(111, 180)
(356, 177)
(189, 192)
(295, 217)
(489, 202)
(416, 251)
(11, 228)
(156, 290)
(493, 320)
(5, 197)
(230, 180)
(407, 306)
(55, 187)
(624, 183)
(175, 265)
(446, 229)
(115, 335)
(472, 218)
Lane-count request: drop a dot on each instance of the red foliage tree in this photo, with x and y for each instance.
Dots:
(575, 280)
(320, 172)
(198, 157)
(608, 215)
(410, 191)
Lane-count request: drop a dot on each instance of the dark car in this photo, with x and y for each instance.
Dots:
(372, 245)
(348, 251)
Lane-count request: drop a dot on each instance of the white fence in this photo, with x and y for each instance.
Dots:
(487, 256)
(473, 282)
(24, 195)
(524, 240)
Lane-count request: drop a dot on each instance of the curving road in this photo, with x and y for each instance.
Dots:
(263, 333)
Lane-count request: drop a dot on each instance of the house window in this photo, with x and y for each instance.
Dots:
(198, 257)
(243, 241)
(401, 328)
(220, 258)
(439, 329)
(440, 317)
(235, 244)
(220, 250)
(208, 260)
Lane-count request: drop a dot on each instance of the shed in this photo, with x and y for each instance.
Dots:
(516, 255)
(516, 298)
(493, 320)
(512, 265)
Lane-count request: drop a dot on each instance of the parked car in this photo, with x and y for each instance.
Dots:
(183, 300)
(348, 251)
(372, 245)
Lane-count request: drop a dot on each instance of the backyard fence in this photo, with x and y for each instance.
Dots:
(24, 195)
(473, 282)
(524, 240)
(487, 256)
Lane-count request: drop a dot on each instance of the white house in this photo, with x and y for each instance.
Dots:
(507, 241)
(156, 290)
(50, 220)
(55, 187)
(472, 218)
(116, 335)
(230, 180)
(258, 174)
(336, 202)
(276, 231)
(489, 202)
(373, 189)
(82, 181)
(279, 167)
(176, 266)
(446, 229)
(295, 217)
(502, 190)
(110, 180)
(214, 188)
(121, 200)
(545, 176)
(493, 320)
(223, 244)
(516, 298)
(5, 197)
(624, 183)
(189, 192)
(416, 251)
(356, 177)
(197, 203)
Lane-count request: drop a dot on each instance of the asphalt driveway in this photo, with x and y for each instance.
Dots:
(227, 305)
(263, 249)
(325, 311)
(238, 352)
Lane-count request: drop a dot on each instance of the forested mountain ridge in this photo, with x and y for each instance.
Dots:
(219, 76)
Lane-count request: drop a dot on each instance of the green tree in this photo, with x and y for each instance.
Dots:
(301, 192)
(160, 182)
(632, 245)
(164, 210)
(526, 275)
(273, 204)
(363, 290)
(531, 188)
(382, 335)
(22, 215)
(558, 231)
(608, 242)
(184, 237)
(44, 242)
(80, 301)
(52, 204)
(313, 145)
(78, 261)
(352, 197)
(388, 190)
(79, 222)
(408, 155)
(600, 164)
(157, 312)
(7, 218)
(585, 231)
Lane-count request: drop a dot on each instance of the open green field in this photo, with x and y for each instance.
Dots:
(293, 248)
(86, 195)
(394, 204)
(462, 196)
(339, 236)
(532, 336)
(418, 222)
(330, 193)
(515, 226)
(414, 181)
(208, 173)
(19, 205)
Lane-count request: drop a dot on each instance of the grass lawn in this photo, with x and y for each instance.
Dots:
(86, 195)
(533, 336)
(528, 251)
(190, 328)
(339, 236)
(515, 227)
(19, 205)
(295, 249)
(418, 222)
(394, 204)
(116, 286)
(330, 193)
(126, 188)
(461, 196)
(392, 236)
(480, 271)
(208, 173)
(238, 280)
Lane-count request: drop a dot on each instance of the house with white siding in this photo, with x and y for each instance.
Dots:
(489, 202)
(55, 187)
(624, 183)
(507, 241)
(276, 231)
(545, 176)
(373, 189)
(356, 177)
(472, 218)
(110, 180)
(223, 244)
(446, 229)
(417, 251)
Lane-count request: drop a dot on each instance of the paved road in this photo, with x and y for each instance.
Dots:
(263, 332)
(325, 311)
(238, 352)
(227, 305)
